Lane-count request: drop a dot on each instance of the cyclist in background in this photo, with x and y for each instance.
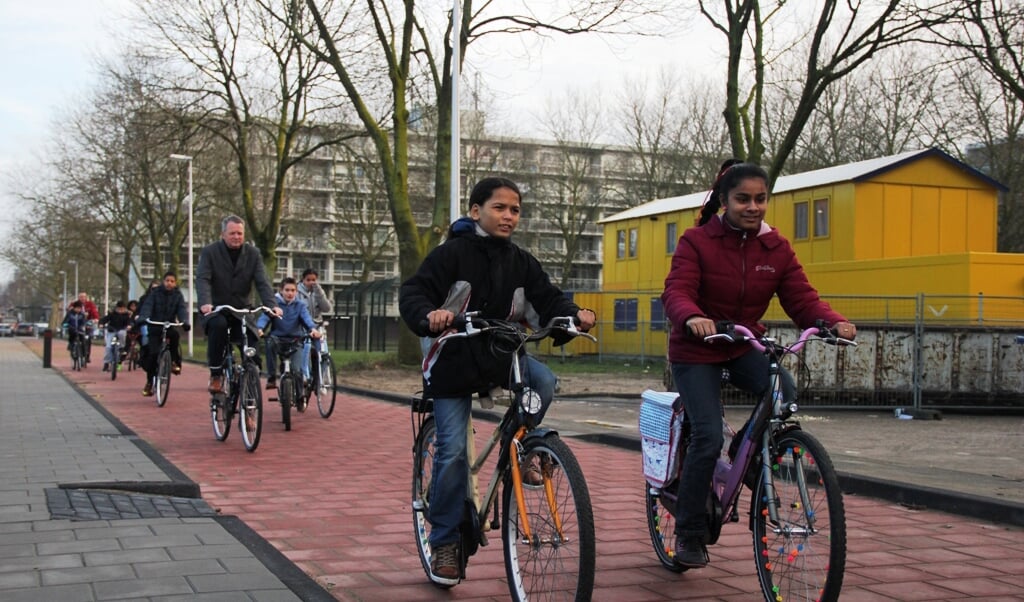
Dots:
(117, 324)
(478, 268)
(727, 268)
(162, 304)
(313, 295)
(74, 323)
(295, 322)
(228, 269)
(92, 315)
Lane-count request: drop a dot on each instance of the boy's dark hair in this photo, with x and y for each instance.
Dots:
(486, 187)
(308, 271)
(730, 174)
(287, 280)
(120, 304)
(77, 304)
(170, 273)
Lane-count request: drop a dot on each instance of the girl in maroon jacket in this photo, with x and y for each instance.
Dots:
(727, 268)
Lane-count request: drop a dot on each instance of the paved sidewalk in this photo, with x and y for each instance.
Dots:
(330, 500)
(90, 512)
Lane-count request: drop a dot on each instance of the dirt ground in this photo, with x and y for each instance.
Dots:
(399, 380)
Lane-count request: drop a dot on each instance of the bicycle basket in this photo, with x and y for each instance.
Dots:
(660, 432)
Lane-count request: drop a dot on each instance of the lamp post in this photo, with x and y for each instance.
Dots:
(64, 298)
(75, 263)
(106, 280)
(191, 273)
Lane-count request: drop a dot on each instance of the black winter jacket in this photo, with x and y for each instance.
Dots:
(470, 272)
(221, 282)
(162, 305)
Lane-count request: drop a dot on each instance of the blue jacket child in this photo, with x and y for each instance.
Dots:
(294, 323)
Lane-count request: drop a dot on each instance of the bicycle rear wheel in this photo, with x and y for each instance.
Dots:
(286, 395)
(422, 477)
(556, 561)
(250, 407)
(324, 386)
(803, 555)
(163, 377)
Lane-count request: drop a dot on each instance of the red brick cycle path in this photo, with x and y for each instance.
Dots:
(333, 496)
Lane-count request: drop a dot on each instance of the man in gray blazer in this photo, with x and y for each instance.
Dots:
(228, 270)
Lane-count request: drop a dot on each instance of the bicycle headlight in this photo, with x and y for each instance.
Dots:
(530, 401)
(250, 352)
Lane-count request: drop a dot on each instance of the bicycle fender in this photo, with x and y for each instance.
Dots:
(539, 433)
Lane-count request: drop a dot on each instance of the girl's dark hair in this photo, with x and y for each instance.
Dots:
(308, 271)
(486, 187)
(730, 174)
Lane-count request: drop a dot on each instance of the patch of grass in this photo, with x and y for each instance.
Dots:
(366, 360)
(607, 365)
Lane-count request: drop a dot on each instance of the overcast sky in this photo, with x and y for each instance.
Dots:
(50, 49)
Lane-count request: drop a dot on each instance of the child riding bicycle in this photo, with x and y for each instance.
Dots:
(478, 268)
(117, 323)
(295, 323)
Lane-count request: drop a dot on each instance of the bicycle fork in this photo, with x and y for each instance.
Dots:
(771, 500)
(515, 455)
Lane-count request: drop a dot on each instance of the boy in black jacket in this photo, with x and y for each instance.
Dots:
(478, 268)
(117, 323)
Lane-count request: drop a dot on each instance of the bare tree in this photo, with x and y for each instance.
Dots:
(842, 37)
(247, 80)
(406, 43)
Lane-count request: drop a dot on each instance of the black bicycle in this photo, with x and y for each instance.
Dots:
(78, 360)
(290, 386)
(241, 395)
(161, 384)
(796, 515)
(322, 375)
(547, 527)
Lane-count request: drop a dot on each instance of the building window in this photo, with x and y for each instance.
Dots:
(632, 241)
(620, 244)
(671, 238)
(800, 220)
(625, 314)
(657, 314)
(820, 218)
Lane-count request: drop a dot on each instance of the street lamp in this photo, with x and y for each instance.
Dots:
(191, 273)
(106, 281)
(75, 263)
(64, 298)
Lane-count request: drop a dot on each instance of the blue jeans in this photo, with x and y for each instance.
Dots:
(700, 388)
(108, 355)
(449, 487)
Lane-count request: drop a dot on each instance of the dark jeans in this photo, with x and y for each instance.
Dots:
(700, 388)
(152, 349)
(216, 327)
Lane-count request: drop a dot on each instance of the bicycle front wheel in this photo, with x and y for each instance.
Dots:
(76, 355)
(422, 477)
(163, 377)
(286, 395)
(250, 410)
(802, 556)
(555, 560)
(324, 386)
(115, 353)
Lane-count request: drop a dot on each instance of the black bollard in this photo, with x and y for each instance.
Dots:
(47, 347)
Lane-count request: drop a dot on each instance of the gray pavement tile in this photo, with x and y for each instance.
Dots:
(88, 574)
(235, 550)
(79, 592)
(15, 550)
(160, 541)
(181, 568)
(211, 597)
(78, 546)
(86, 531)
(142, 588)
(19, 579)
(40, 536)
(126, 557)
(231, 582)
(57, 561)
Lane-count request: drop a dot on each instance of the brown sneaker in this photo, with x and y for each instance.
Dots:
(147, 391)
(532, 476)
(216, 384)
(176, 368)
(690, 553)
(444, 565)
(271, 383)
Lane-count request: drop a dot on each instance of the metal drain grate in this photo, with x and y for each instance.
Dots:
(102, 504)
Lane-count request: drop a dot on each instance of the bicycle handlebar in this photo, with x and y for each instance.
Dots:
(167, 324)
(464, 326)
(241, 312)
(764, 343)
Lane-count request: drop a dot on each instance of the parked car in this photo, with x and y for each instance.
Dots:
(41, 328)
(25, 329)
(6, 329)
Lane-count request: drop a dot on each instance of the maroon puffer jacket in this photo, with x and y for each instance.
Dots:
(726, 274)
